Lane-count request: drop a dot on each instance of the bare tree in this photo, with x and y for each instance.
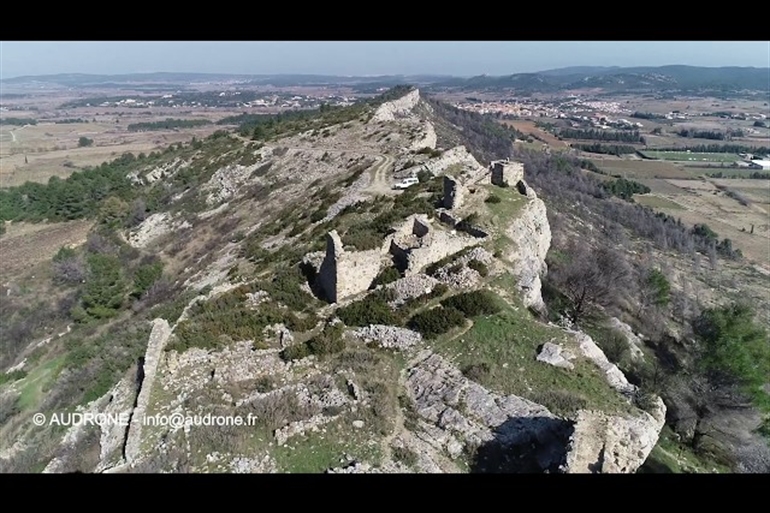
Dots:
(591, 278)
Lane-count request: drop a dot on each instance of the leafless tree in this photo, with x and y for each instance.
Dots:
(592, 277)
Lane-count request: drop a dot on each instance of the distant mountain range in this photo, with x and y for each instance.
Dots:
(611, 79)
(661, 78)
(181, 79)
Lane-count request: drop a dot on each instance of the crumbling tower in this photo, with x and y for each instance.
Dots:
(506, 173)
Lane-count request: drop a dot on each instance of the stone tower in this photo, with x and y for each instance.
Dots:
(453, 192)
(506, 173)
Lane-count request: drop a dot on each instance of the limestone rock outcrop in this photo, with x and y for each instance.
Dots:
(160, 334)
(467, 414)
(603, 443)
(394, 109)
(531, 235)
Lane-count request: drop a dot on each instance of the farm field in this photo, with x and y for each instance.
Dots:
(701, 201)
(636, 169)
(727, 172)
(528, 127)
(37, 152)
(685, 156)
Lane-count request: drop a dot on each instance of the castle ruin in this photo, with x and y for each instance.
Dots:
(417, 244)
(346, 273)
(506, 173)
(453, 192)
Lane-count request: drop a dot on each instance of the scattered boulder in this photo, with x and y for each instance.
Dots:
(554, 354)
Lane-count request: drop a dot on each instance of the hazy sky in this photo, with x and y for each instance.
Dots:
(462, 58)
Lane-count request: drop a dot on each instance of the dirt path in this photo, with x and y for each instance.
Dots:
(381, 181)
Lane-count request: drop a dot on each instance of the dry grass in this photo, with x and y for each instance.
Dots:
(636, 169)
(528, 127)
(696, 201)
(52, 149)
(25, 245)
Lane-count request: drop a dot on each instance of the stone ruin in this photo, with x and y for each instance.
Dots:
(345, 273)
(416, 244)
(454, 192)
(506, 173)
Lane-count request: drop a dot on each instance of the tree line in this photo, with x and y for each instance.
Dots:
(647, 115)
(606, 149)
(721, 148)
(168, 124)
(602, 135)
(17, 121)
(709, 134)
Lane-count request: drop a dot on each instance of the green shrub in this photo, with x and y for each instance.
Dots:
(387, 275)
(362, 237)
(492, 198)
(479, 267)
(436, 321)
(373, 309)
(318, 215)
(329, 341)
(145, 276)
(561, 402)
(405, 456)
(477, 372)
(295, 352)
(10, 377)
(477, 302)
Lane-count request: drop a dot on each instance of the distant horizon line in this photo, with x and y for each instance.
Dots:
(369, 75)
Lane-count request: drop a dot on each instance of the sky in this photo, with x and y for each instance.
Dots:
(459, 58)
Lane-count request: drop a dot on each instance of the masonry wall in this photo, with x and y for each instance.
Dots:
(346, 273)
(443, 244)
(505, 172)
(453, 192)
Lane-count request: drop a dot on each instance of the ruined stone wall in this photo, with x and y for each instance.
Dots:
(505, 172)
(158, 338)
(453, 192)
(345, 273)
(442, 244)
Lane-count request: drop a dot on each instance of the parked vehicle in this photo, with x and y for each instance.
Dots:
(406, 183)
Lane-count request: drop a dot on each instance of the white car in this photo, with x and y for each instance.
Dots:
(406, 182)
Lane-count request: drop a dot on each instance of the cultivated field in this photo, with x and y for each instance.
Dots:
(701, 201)
(686, 156)
(528, 127)
(37, 152)
(637, 168)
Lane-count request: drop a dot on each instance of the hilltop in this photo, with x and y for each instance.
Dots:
(275, 274)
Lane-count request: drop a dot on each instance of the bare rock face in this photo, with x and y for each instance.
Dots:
(400, 107)
(604, 443)
(428, 139)
(507, 433)
(612, 373)
(154, 227)
(531, 235)
(554, 354)
(634, 342)
(459, 157)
